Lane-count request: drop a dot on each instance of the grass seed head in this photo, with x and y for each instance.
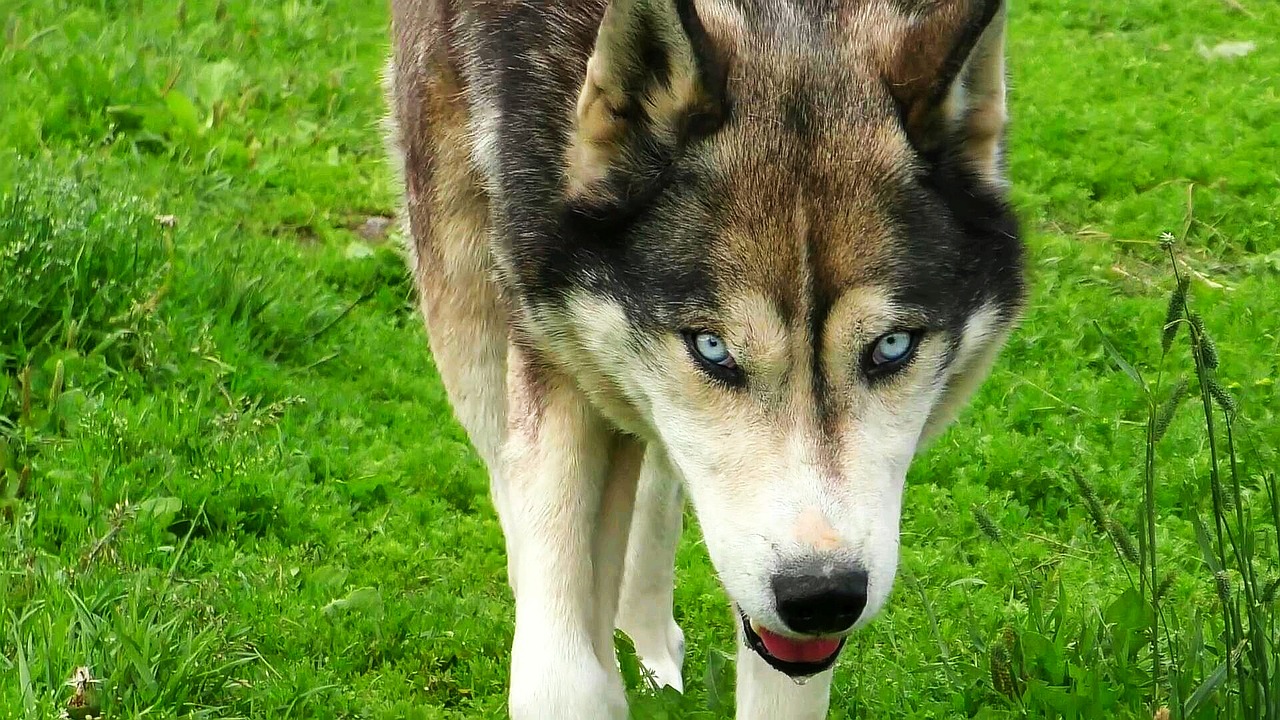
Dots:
(1121, 538)
(1208, 349)
(1222, 582)
(1269, 592)
(1169, 408)
(1173, 315)
(1222, 398)
(1006, 663)
(1091, 501)
(987, 524)
(1002, 670)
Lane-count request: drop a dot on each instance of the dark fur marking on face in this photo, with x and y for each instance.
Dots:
(961, 245)
(650, 256)
(990, 230)
(819, 311)
(797, 111)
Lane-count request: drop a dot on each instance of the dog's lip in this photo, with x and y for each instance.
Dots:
(793, 669)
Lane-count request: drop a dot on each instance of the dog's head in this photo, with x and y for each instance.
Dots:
(802, 263)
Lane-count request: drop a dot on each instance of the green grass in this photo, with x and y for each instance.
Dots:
(231, 487)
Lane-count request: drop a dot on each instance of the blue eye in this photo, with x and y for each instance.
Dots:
(892, 349)
(712, 355)
(713, 349)
(713, 358)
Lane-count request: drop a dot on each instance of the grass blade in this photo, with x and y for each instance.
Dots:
(24, 674)
(1125, 366)
(1206, 545)
(1206, 688)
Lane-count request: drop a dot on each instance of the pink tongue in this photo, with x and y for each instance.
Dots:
(798, 651)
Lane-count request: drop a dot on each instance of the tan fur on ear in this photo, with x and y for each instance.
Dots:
(984, 112)
(947, 72)
(597, 135)
(624, 93)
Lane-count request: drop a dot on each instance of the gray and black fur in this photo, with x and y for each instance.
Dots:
(654, 237)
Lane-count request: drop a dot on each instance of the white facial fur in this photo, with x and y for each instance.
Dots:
(768, 484)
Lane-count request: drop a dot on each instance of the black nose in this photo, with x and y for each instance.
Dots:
(820, 597)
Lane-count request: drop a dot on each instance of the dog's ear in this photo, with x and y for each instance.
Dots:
(654, 81)
(946, 73)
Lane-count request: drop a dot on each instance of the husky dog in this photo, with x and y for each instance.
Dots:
(752, 252)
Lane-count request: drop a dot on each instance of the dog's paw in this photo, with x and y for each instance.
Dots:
(662, 655)
(558, 699)
(557, 690)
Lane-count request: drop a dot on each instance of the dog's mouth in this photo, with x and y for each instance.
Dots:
(795, 658)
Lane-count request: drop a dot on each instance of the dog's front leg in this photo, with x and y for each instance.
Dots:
(558, 458)
(648, 588)
(765, 694)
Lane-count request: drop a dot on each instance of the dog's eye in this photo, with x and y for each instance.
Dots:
(713, 349)
(891, 348)
(891, 351)
(712, 354)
